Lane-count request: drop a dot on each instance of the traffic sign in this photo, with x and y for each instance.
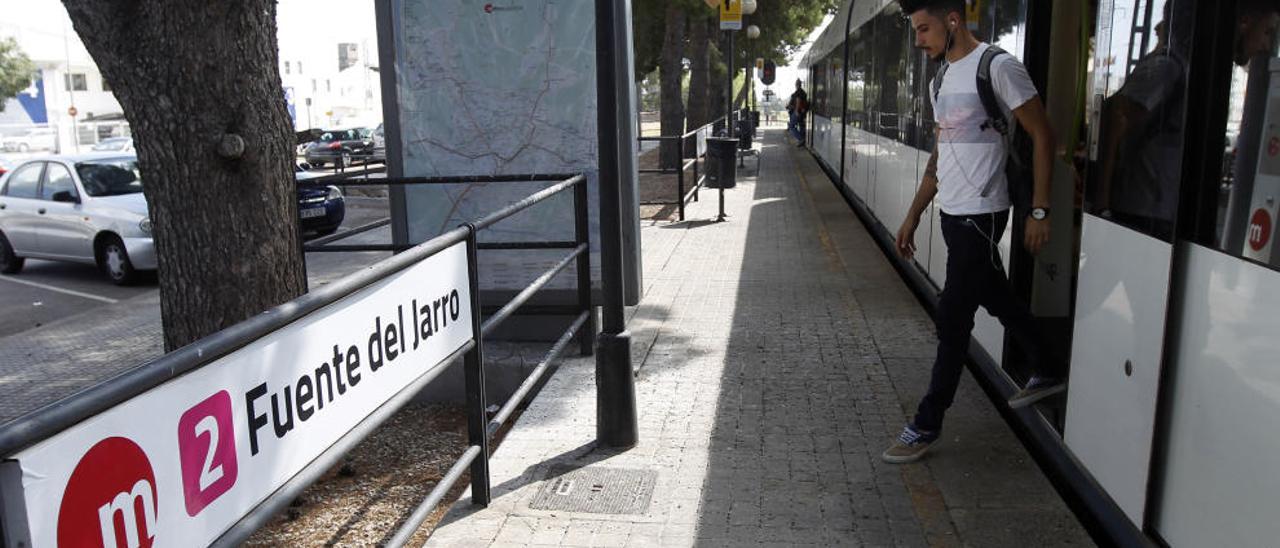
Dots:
(769, 73)
(72, 112)
(731, 15)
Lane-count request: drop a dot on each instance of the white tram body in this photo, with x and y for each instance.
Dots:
(1162, 282)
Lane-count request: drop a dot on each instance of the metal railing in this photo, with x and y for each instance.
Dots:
(54, 418)
(479, 430)
(682, 197)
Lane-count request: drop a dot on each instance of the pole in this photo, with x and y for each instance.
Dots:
(728, 90)
(616, 421)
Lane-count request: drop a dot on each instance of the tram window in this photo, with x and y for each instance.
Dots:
(890, 73)
(835, 69)
(1250, 181)
(859, 60)
(1140, 82)
(1004, 25)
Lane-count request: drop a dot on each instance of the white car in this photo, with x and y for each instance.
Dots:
(85, 208)
(41, 138)
(114, 144)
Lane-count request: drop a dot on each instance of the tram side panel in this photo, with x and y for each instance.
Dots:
(1220, 480)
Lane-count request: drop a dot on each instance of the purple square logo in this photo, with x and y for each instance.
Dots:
(207, 449)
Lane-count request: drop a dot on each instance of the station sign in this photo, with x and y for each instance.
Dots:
(180, 464)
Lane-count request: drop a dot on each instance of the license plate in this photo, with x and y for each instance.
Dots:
(313, 212)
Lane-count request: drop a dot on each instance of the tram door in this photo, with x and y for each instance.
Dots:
(1136, 114)
(1217, 483)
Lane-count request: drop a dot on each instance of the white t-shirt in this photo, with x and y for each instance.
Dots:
(971, 160)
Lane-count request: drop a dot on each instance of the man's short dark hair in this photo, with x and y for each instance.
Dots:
(938, 8)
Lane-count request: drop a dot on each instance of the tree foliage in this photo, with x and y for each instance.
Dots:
(784, 24)
(16, 70)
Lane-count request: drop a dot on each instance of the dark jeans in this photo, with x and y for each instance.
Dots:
(975, 277)
(795, 125)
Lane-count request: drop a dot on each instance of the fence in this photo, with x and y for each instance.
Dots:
(700, 149)
(55, 423)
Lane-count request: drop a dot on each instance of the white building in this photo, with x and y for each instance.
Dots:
(310, 32)
(67, 77)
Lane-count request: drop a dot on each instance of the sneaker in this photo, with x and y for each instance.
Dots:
(1038, 388)
(910, 446)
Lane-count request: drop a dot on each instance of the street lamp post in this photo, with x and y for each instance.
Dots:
(617, 424)
(748, 8)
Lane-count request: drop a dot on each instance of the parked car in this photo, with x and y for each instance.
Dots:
(115, 144)
(41, 138)
(321, 208)
(379, 144)
(80, 208)
(340, 146)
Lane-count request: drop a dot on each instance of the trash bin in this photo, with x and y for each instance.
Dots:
(746, 132)
(721, 156)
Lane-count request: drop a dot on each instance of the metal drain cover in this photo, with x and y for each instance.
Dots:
(596, 490)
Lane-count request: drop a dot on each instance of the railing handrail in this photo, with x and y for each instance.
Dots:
(50, 420)
(682, 197)
(686, 135)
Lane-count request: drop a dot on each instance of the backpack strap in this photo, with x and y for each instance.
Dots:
(987, 93)
(937, 81)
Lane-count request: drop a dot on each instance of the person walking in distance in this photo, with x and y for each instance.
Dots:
(966, 173)
(797, 108)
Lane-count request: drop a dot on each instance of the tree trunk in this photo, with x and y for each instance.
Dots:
(699, 109)
(199, 84)
(700, 72)
(740, 99)
(671, 72)
(719, 103)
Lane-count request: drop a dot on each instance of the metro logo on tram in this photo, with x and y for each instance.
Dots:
(111, 499)
(1259, 229)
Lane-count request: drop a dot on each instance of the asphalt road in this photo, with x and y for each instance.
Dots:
(45, 291)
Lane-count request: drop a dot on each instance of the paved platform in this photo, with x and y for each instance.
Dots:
(777, 354)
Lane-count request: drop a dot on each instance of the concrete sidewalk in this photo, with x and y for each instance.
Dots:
(777, 354)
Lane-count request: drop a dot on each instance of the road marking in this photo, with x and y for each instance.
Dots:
(60, 290)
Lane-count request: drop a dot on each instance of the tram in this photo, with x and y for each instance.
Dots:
(1161, 283)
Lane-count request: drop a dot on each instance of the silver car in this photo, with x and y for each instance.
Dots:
(85, 208)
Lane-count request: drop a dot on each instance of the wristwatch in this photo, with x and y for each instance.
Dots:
(1039, 213)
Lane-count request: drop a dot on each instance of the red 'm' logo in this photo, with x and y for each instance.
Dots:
(110, 500)
(1259, 229)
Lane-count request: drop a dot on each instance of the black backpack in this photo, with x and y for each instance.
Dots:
(1018, 170)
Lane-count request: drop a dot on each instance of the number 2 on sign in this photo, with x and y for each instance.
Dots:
(210, 472)
(206, 448)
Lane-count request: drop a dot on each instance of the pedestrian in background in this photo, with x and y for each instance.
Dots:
(797, 108)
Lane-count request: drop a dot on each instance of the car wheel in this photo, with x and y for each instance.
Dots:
(10, 263)
(115, 262)
(326, 231)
